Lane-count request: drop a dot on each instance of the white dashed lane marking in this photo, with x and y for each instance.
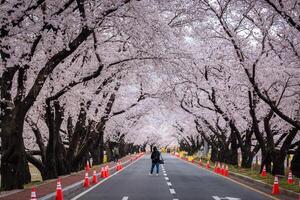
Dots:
(172, 191)
(125, 198)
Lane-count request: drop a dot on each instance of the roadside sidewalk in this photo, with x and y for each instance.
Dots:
(49, 186)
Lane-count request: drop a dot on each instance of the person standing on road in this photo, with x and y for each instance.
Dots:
(116, 154)
(155, 157)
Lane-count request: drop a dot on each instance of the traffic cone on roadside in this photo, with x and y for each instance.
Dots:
(215, 169)
(223, 169)
(200, 163)
(207, 165)
(95, 177)
(102, 173)
(264, 171)
(86, 182)
(117, 167)
(59, 193)
(290, 178)
(107, 171)
(226, 173)
(275, 190)
(218, 168)
(87, 167)
(33, 194)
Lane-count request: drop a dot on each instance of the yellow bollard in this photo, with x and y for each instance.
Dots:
(105, 159)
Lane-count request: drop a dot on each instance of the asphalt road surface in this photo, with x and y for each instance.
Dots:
(178, 180)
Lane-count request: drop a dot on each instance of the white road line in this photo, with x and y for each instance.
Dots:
(175, 199)
(125, 198)
(169, 183)
(165, 174)
(93, 187)
(166, 178)
(172, 191)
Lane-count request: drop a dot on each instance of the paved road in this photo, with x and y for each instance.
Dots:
(181, 181)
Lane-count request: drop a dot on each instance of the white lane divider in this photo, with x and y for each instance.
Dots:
(125, 198)
(172, 191)
(228, 198)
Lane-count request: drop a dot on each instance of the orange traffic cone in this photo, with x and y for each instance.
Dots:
(105, 172)
(215, 169)
(95, 177)
(275, 190)
(200, 163)
(102, 172)
(218, 168)
(207, 165)
(33, 194)
(87, 167)
(59, 193)
(290, 178)
(226, 173)
(117, 167)
(86, 182)
(264, 171)
(223, 169)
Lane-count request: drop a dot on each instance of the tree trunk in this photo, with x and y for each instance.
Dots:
(97, 150)
(55, 164)
(267, 161)
(247, 159)
(295, 163)
(278, 163)
(14, 166)
(95, 153)
(232, 153)
(60, 156)
(214, 154)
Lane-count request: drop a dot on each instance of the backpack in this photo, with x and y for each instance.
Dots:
(156, 156)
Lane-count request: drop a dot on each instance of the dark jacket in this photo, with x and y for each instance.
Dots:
(155, 157)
